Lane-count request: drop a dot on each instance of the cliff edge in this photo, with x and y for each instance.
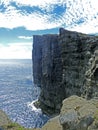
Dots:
(76, 113)
(63, 65)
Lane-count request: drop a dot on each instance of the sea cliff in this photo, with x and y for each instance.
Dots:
(65, 67)
(65, 64)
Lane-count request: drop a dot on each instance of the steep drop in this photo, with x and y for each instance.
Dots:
(65, 65)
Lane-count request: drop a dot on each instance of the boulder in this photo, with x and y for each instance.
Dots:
(76, 113)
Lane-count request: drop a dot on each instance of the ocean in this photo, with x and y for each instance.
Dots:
(17, 93)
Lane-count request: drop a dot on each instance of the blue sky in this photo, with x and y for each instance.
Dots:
(20, 19)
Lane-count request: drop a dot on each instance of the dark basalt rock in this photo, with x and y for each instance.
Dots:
(65, 65)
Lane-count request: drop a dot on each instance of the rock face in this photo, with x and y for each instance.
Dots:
(47, 70)
(76, 114)
(65, 65)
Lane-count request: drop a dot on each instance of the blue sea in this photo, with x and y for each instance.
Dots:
(17, 93)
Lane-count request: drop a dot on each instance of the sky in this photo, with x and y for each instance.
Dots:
(21, 19)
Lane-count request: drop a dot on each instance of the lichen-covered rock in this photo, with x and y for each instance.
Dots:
(52, 124)
(63, 65)
(4, 120)
(76, 114)
(79, 114)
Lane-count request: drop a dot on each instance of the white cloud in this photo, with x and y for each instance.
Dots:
(85, 11)
(82, 10)
(25, 37)
(16, 51)
(33, 2)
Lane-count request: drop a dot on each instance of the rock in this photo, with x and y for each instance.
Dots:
(4, 120)
(63, 65)
(84, 123)
(69, 119)
(46, 71)
(1, 128)
(69, 116)
(52, 124)
(78, 113)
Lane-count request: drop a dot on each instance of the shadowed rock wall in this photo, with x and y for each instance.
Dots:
(65, 65)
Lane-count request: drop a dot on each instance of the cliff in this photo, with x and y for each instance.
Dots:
(63, 65)
(76, 114)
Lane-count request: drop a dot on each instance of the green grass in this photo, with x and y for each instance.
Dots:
(16, 126)
(13, 126)
(96, 115)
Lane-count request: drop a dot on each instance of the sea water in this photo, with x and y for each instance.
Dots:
(17, 93)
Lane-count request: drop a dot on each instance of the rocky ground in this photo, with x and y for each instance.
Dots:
(76, 113)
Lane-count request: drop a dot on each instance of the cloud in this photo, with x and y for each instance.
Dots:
(41, 3)
(82, 16)
(25, 37)
(41, 18)
(16, 51)
(78, 15)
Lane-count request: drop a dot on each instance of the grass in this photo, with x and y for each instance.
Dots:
(96, 115)
(15, 126)
(7, 124)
